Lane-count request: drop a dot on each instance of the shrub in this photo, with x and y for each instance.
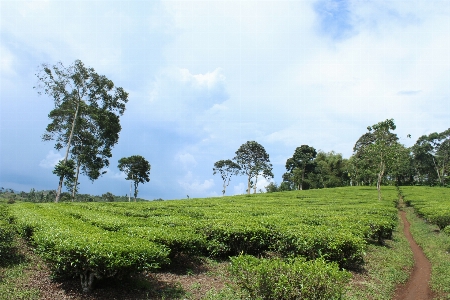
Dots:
(6, 232)
(288, 279)
(447, 230)
(313, 242)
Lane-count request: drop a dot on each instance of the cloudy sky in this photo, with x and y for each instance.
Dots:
(204, 77)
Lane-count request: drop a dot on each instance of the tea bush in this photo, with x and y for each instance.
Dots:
(278, 279)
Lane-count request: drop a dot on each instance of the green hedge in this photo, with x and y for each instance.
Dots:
(335, 245)
(6, 232)
(109, 238)
(75, 248)
(432, 204)
(278, 279)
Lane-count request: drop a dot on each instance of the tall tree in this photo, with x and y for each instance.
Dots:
(379, 147)
(137, 169)
(226, 169)
(301, 163)
(432, 156)
(330, 170)
(85, 104)
(254, 161)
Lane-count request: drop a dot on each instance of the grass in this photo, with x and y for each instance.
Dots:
(15, 274)
(436, 246)
(385, 267)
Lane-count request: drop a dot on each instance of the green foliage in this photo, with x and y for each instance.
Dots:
(85, 119)
(331, 170)
(137, 169)
(433, 204)
(300, 164)
(447, 230)
(378, 154)
(272, 187)
(228, 237)
(75, 248)
(6, 232)
(226, 169)
(432, 158)
(108, 197)
(253, 161)
(178, 239)
(288, 279)
(66, 170)
(341, 246)
(332, 224)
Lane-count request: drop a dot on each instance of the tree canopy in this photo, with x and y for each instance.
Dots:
(377, 150)
(137, 169)
(301, 162)
(226, 169)
(254, 161)
(432, 157)
(85, 119)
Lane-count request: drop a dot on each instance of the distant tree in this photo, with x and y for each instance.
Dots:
(137, 169)
(108, 197)
(432, 156)
(378, 149)
(401, 171)
(85, 119)
(300, 164)
(31, 195)
(226, 169)
(272, 187)
(254, 161)
(330, 171)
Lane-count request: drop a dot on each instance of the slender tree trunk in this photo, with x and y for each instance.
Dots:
(256, 181)
(380, 177)
(248, 185)
(74, 189)
(303, 178)
(437, 171)
(61, 179)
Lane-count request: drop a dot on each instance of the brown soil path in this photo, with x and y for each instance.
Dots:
(417, 287)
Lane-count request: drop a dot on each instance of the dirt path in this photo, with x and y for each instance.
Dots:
(416, 288)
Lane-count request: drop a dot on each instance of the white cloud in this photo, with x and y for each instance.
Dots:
(50, 160)
(187, 160)
(210, 80)
(6, 62)
(195, 186)
(115, 175)
(261, 184)
(177, 95)
(239, 189)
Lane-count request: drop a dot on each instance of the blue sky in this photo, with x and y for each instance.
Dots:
(204, 77)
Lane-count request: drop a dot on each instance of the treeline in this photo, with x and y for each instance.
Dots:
(323, 170)
(378, 159)
(49, 196)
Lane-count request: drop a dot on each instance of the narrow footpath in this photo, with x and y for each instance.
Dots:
(417, 287)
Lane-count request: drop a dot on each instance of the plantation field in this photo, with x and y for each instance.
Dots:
(322, 233)
(433, 204)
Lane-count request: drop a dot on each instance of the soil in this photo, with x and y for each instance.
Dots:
(417, 287)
